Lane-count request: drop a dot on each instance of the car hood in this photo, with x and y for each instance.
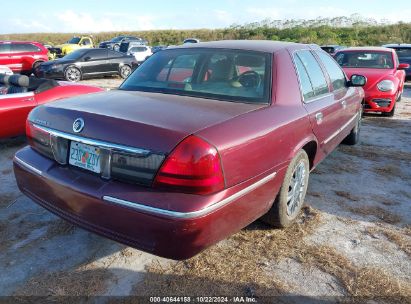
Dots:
(373, 76)
(153, 121)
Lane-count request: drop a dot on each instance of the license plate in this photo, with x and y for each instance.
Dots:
(85, 156)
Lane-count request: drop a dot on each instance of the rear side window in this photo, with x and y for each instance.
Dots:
(24, 47)
(334, 71)
(314, 71)
(305, 83)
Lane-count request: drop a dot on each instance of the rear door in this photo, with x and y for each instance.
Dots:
(343, 94)
(323, 110)
(114, 59)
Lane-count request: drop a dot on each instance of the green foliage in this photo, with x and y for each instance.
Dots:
(340, 30)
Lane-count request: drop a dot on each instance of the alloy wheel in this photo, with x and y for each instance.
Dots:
(73, 74)
(296, 189)
(125, 71)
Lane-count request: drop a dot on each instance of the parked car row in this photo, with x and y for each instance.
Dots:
(198, 142)
(84, 63)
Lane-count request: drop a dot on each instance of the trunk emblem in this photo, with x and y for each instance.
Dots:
(78, 125)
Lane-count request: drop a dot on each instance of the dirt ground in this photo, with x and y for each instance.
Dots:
(353, 238)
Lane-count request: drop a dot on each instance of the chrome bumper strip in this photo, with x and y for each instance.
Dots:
(93, 142)
(27, 166)
(193, 214)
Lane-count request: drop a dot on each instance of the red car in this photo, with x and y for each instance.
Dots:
(171, 164)
(20, 94)
(385, 75)
(22, 57)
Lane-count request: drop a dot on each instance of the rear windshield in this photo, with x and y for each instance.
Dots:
(328, 49)
(361, 59)
(233, 75)
(403, 53)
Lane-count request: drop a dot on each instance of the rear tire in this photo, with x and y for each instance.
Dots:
(290, 199)
(354, 137)
(116, 48)
(125, 71)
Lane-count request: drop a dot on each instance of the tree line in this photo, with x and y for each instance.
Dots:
(349, 31)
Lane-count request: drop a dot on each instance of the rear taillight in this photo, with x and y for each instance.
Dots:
(193, 167)
(46, 143)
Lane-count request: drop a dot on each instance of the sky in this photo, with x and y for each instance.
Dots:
(27, 16)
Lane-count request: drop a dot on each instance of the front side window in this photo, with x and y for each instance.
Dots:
(403, 53)
(314, 71)
(97, 54)
(365, 59)
(232, 75)
(337, 76)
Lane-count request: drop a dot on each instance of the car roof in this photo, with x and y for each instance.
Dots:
(18, 42)
(397, 45)
(249, 45)
(367, 48)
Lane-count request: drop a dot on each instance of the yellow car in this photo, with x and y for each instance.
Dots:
(71, 45)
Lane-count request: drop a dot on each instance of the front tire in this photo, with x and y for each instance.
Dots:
(290, 199)
(72, 74)
(391, 113)
(125, 71)
(116, 48)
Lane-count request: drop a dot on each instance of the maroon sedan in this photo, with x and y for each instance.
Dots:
(200, 141)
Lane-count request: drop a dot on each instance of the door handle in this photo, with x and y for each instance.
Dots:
(319, 117)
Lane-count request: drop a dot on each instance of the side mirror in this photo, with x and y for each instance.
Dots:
(403, 66)
(87, 58)
(357, 81)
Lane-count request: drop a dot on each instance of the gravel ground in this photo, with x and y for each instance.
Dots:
(353, 240)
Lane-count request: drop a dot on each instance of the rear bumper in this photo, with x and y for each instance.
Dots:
(171, 225)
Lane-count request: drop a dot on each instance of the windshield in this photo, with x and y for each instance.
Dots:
(75, 54)
(365, 59)
(231, 75)
(74, 40)
(403, 53)
(116, 39)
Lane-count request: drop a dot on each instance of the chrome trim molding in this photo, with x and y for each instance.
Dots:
(340, 129)
(27, 166)
(93, 142)
(193, 214)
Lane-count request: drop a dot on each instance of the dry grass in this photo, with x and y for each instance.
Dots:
(7, 198)
(237, 269)
(6, 171)
(400, 237)
(76, 283)
(347, 195)
(375, 211)
(59, 227)
(388, 170)
(358, 282)
(373, 152)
